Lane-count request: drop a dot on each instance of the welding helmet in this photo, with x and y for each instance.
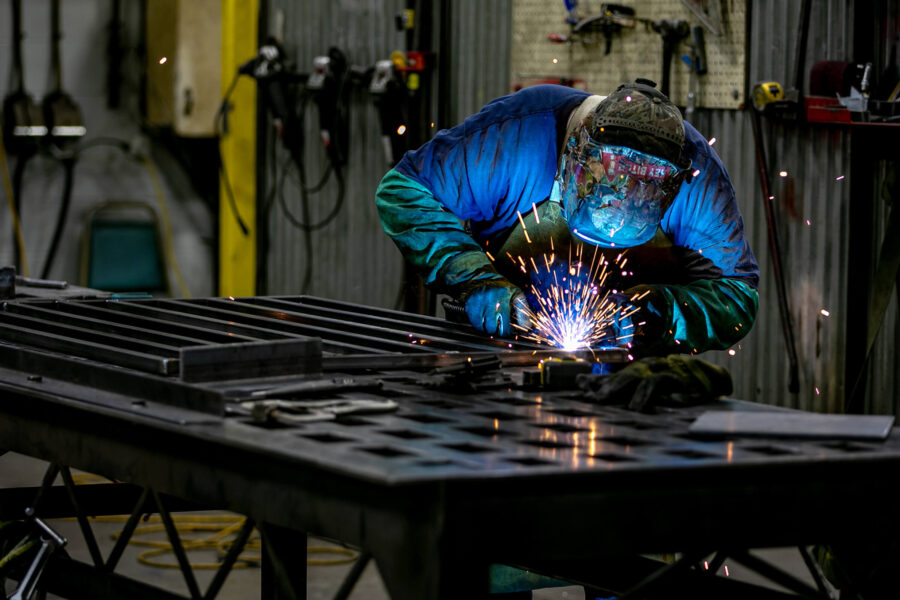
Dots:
(621, 167)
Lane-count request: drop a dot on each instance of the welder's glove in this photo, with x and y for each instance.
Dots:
(638, 320)
(495, 306)
(673, 380)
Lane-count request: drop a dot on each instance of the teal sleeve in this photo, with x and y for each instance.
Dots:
(707, 314)
(432, 238)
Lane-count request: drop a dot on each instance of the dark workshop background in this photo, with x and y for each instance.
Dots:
(830, 228)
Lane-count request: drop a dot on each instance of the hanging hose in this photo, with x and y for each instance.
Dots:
(69, 167)
(13, 211)
(775, 252)
(18, 175)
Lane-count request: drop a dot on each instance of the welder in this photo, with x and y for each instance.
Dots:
(549, 166)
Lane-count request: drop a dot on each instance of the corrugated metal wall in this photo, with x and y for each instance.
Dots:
(811, 207)
(883, 392)
(354, 259)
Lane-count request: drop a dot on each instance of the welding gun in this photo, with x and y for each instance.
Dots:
(328, 84)
(277, 86)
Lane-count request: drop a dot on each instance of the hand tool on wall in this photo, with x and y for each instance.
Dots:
(708, 12)
(672, 32)
(390, 100)
(697, 64)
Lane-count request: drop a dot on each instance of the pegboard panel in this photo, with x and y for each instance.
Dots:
(635, 52)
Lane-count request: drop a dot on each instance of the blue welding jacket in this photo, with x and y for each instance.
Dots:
(453, 202)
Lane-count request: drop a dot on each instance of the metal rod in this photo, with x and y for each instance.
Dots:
(116, 356)
(177, 548)
(774, 574)
(816, 571)
(139, 321)
(105, 325)
(237, 546)
(86, 530)
(82, 333)
(127, 531)
(353, 576)
(391, 332)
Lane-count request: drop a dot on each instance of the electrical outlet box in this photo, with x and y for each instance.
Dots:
(184, 65)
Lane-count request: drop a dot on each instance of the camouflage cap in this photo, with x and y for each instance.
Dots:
(639, 116)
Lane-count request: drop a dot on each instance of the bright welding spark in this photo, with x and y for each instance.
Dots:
(726, 571)
(839, 177)
(808, 223)
(555, 60)
(731, 351)
(401, 130)
(163, 60)
(572, 313)
(711, 141)
(825, 313)
(817, 391)
(696, 172)
(782, 173)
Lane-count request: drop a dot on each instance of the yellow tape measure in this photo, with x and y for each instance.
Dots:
(766, 93)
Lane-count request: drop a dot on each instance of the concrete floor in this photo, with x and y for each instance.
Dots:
(323, 579)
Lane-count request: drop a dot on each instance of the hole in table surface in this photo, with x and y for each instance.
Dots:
(386, 451)
(470, 448)
(500, 415)
(406, 434)
(612, 457)
(425, 418)
(560, 427)
(547, 444)
(485, 431)
(769, 450)
(328, 438)
(530, 461)
(440, 403)
(691, 453)
(624, 440)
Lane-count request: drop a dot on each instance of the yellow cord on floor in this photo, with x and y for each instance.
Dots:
(17, 224)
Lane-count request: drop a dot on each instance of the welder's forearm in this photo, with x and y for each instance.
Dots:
(708, 314)
(431, 238)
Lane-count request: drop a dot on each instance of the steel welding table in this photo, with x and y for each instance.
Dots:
(470, 469)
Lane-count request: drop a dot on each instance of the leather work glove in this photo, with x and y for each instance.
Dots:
(494, 307)
(673, 380)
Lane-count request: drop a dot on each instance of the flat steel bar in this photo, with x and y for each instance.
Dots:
(92, 310)
(88, 335)
(100, 324)
(355, 362)
(76, 347)
(440, 329)
(288, 326)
